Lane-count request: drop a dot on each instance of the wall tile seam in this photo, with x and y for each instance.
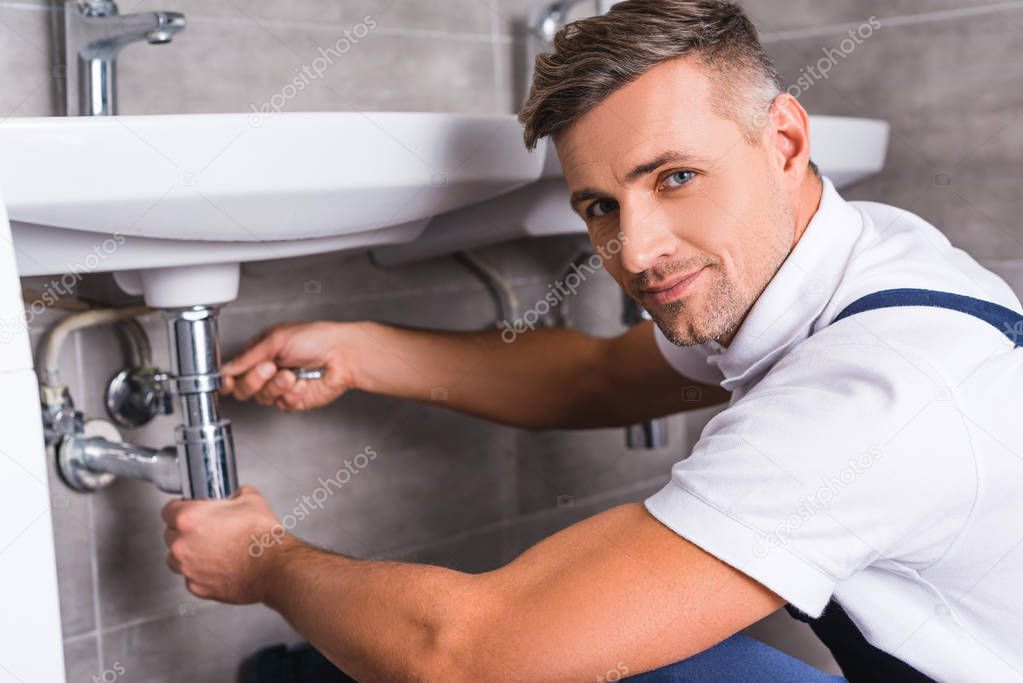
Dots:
(467, 36)
(234, 307)
(203, 606)
(768, 37)
(28, 6)
(830, 30)
(498, 52)
(96, 593)
(293, 24)
(505, 26)
(78, 637)
(521, 519)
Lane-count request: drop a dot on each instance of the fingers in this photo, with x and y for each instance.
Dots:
(246, 490)
(238, 377)
(169, 537)
(297, 398)
(263, 346)
(184, 515)
(197, 589)
(281, 383)
(171, 513)
(250, 383)
(306, 394)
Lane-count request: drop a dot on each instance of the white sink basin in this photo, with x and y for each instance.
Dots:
(845, 149)
(215, 177)
(185, 190)
(172, 204)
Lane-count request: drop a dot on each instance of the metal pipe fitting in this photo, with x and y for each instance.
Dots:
(89, 463)
(205, 444)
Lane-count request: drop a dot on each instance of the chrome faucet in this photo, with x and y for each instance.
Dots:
(543, 24)
(551, 17)
(94, 34)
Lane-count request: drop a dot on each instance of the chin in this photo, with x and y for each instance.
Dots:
(680, 329)
(685, 327)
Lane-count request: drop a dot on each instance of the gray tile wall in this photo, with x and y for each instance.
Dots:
(447, 488)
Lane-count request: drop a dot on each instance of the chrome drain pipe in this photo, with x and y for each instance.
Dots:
(204, 442)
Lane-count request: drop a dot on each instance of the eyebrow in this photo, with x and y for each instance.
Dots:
(638, 171)
(655, 163)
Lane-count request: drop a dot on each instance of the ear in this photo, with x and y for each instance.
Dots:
(789, 137)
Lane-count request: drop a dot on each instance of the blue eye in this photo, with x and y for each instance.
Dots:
(601, 208)
(678, 179)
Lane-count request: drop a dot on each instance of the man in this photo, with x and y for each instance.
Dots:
(864, 471)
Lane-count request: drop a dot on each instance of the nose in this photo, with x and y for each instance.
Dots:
(647, 237)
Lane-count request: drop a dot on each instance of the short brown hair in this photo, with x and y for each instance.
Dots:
(594, 57)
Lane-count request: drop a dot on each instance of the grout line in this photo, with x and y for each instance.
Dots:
(80, 636)
(522, 519)
(897, 20)
(97, 613)
(332, 28)
(32, 7)
(238, 306)
(498, 54)
(94, 564)
(132, 623)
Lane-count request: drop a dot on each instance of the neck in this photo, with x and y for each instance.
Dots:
(808, 201)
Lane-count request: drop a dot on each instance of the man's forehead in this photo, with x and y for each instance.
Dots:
(669, 107)
(624, 151)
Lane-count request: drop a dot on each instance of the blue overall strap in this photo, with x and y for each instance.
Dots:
(1008, 321)
(861, 661)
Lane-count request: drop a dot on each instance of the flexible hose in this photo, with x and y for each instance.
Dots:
(60, 331)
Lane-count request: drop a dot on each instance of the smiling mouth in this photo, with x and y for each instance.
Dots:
(671, 289)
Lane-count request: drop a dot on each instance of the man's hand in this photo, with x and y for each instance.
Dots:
(261, 370)
(224, 548)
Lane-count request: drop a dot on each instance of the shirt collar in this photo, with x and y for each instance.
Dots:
(785, 313)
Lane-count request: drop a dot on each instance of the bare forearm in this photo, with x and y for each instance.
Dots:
(534, 382)
(376, 620)
(547, 378)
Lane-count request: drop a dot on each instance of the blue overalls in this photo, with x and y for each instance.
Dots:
(740, 658)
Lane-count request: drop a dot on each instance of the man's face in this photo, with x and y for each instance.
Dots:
(692, 218)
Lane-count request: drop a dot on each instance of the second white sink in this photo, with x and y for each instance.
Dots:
(845, 149)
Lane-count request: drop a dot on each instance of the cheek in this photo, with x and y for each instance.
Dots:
(602, 235)
(612, 266)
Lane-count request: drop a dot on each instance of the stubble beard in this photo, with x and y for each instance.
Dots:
(683, 326)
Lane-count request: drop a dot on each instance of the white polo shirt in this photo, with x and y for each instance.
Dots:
(877, 461)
